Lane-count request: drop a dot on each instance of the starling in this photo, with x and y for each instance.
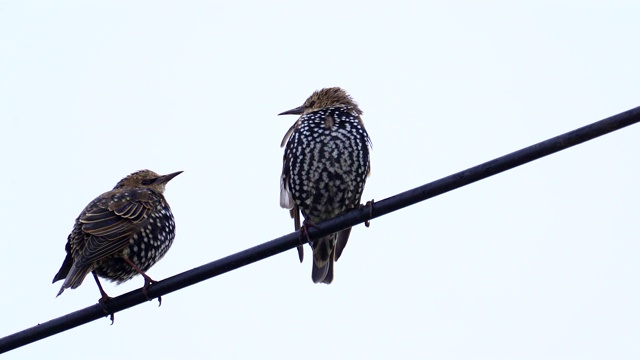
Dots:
(121, 233)
(325, 167)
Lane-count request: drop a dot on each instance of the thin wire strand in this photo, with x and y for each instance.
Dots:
(344, 221)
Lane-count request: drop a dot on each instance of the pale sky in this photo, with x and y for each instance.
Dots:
(540, 262)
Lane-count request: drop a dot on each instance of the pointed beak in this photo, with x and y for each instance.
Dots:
(297, 111)
(165, 178)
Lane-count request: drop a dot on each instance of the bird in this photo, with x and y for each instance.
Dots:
(120, 234)
(325, 166)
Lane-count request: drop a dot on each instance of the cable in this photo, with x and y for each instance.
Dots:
(341, 222)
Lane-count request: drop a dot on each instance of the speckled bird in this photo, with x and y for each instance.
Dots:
(121, 233)
(325, 167)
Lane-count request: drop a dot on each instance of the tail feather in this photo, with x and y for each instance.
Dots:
(74, 278)
(323, 255)
(329, 277)
(341, 243)
(64, 269)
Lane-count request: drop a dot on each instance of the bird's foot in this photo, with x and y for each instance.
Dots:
(145, 289)
(147, 281)
(103, 302)
(369, 204)
(304, 230)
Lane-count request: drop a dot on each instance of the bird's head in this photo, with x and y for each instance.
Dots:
(146, 178)
(324, 98)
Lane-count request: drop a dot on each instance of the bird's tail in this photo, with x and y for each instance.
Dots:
(74, 278)
(326, 251)
(323, 258)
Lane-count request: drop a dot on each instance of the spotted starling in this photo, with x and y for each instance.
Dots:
(121, 233)
(326, 163)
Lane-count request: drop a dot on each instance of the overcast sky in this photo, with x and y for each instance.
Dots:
(540, 262)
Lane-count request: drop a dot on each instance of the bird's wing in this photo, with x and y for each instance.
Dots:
(286, 198)
(286, 137)
(111, 222)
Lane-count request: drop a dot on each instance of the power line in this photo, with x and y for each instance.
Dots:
(349, 219)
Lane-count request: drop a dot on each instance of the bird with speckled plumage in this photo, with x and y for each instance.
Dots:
(325, 167)
(121, 233)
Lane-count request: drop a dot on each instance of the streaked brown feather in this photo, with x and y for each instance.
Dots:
(109, 236)
(111, 223)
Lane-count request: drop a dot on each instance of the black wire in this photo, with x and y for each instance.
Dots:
(349, 219)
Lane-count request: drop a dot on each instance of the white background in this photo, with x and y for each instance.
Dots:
(538, 262)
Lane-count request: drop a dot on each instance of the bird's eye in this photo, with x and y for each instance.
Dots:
(148, 181)
(311, 103)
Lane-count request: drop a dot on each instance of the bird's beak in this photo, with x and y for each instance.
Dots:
(297, 111)
(165, 178)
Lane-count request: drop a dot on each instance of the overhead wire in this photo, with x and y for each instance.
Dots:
(351, 218)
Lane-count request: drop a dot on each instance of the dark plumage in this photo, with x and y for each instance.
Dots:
(121, 233)
(326, 163)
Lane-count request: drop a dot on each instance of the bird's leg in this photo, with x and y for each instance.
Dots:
(304, 229)
(147, 280)
(369, 204)
(103, 300)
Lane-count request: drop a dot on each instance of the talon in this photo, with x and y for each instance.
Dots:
(304, 229)
(145, 288)
(369, 204)
(103, 302)
(147, 281)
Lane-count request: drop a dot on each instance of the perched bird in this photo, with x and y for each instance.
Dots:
(325, 167)
(121, 233)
